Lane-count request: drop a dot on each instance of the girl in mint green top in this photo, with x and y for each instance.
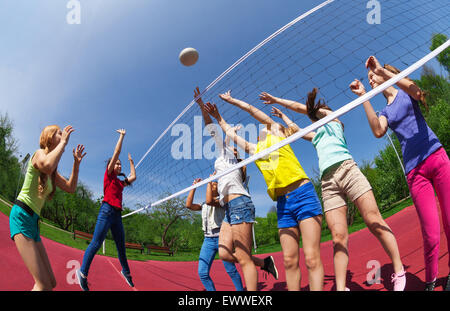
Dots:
(41, 180)
(331, 146)
(342, 180)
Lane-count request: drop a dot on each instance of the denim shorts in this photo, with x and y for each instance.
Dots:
(22, 222)
(300, 204)
(239, 210)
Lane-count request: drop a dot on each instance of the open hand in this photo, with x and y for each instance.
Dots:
(78, 154)
(121, 131)
(196, 94)
(226, 96)
(276, 112)
(212, 110)
(267, 98)
(65, 135)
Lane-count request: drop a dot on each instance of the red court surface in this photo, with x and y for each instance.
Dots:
(105, 275)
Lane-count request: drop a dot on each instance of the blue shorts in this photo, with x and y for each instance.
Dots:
(20, 221)
(300, 204)
(239, 210)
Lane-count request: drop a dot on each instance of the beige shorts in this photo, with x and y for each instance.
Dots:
(344, 181)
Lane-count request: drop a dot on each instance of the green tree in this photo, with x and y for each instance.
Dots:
(391, 184)
(444, 57)
(76, 211)
(167, 214)
(9, 164)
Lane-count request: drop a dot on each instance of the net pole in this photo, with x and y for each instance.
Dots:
(336, 114)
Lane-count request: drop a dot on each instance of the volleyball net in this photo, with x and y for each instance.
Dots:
(326, 48)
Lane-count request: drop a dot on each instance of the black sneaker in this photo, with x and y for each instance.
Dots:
(82, 281)
(447, 286)
(128, 278)
(429, 286)
(269, 266)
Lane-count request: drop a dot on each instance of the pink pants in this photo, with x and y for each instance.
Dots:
(432, 174)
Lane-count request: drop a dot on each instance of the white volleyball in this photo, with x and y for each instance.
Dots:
(188, 56)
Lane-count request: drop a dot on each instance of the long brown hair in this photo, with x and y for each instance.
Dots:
(395, 70)
(312, 107)
(45, 141)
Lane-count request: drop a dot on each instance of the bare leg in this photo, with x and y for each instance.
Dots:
(235, 245)
(379, 228)
(36, 261)
(310, 229)
(289, 239)
(226, 248)
(44, 257)
(337, 222)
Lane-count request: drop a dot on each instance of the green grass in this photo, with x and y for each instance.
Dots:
(66, 238)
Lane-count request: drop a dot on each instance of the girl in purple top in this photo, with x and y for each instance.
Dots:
(427, 166)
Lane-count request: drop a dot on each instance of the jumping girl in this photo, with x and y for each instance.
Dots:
(298, 207)
(109, 215)
(341, 179)
(427, 165)
(212, 217)
(235, 239)
(41, 180)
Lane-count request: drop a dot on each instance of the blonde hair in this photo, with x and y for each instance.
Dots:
(45, 141)
(288, 131)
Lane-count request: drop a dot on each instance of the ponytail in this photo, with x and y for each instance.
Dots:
(312, 108)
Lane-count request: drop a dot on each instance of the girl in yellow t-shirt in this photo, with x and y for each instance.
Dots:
(298, 207)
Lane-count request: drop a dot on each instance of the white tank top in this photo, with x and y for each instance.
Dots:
(232, 183)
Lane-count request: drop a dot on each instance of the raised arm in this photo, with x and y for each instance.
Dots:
(405, 84)
(47, 163)
(230, 131)
(132, 177)
(70, 185)
(378, 124)
(253, 111)
(209, 125)
(292, 125)
(290, 104)
(190, 198)
(201, 104)
(210, 198)
(117, 150)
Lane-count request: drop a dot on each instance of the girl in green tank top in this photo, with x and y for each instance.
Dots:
(41, 180)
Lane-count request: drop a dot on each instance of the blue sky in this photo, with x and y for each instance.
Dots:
(119, 69)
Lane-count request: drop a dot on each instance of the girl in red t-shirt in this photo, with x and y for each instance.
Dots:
(109, 216)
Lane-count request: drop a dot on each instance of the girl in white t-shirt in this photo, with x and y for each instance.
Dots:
(235, 239)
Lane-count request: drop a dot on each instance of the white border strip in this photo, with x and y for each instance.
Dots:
(239, 61)
(311, 127)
